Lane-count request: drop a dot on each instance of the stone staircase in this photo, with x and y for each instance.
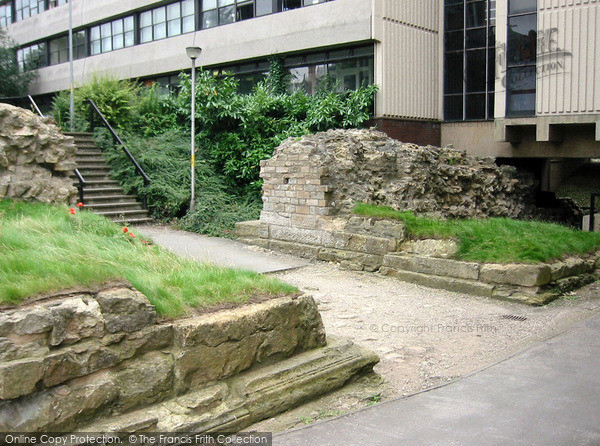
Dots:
(102, 194)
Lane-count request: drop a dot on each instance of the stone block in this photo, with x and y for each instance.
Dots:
(275, 218)
(260, 242)
(256, 229)
(432, 265)
(351, 260)
(375, 227)
(572, 266)
(125, 309)
(516, 274)
(18, 378)
(304, 221)
(297, 249)
(445, 283)
(444, 249)
(358, 242)
(296, 235)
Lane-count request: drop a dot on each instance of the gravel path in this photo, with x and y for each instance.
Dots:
(426, 337)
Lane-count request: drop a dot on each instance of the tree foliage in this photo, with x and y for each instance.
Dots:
(14, 81)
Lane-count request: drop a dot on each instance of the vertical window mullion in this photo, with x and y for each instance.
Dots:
(464, 54)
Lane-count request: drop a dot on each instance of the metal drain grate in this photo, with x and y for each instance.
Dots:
(513, 317)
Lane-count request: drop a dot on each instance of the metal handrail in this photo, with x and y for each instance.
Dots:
(81, 184)
(117, 139)
(35, 106)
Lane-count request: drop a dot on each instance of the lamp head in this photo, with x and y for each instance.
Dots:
(193, 52)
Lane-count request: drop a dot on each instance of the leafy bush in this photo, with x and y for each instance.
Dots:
(13, 80)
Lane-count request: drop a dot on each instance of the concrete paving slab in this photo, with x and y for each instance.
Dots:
(220, 251)
(547, 395)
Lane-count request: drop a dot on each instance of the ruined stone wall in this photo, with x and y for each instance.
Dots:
(35, 158)
(73, 359)
(327, 173)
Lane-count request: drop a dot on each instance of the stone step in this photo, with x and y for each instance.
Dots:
(102, 183)
(246, 398)
(92, 165)
(101, 191)
(91, 153)
(124, 216)
(109, 198)
(101, 208)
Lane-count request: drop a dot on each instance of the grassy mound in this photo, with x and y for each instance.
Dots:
(498, 240)
(45, 248)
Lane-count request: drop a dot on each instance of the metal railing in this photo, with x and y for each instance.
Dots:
(81, 185)
(35, 106)
(116, 140)
(592, 221)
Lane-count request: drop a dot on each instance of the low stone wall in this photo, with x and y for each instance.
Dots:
(78, 359)
(35, 158)
(371, 244)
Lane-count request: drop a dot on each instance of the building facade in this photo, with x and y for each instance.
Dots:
(513, 79)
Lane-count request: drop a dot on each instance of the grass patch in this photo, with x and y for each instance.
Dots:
(45, 249)
(498, 240)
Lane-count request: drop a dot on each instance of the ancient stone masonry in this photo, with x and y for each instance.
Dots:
(99, 361)
(327, 173)
(35, 158)
(312, 184)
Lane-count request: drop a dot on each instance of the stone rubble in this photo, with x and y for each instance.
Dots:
(35, 158)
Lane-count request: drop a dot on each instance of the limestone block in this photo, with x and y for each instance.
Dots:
(296, 235)
(254, 229)
(432, 265)
(571, 266)
(444, 249)
(275, 218)
(358, 242)
(351, 260)
(125, 309)
(20, 377)
(516, 274)
(298, 249)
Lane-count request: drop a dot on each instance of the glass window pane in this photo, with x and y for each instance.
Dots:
(454, 17)
(117, 42)
(209, 19)
(146, 19)
(264, 7)
(490, 106)
(159, 15)
(453, 108)
(145, 34)
(522, 6)
(117, 27)
(245, 11)
(521, 91)
(522, 38)
(226, 2)
(95, 47)
(226, 15)
(453, 40)
(95, 33)
(453, 73)
(105, 30)
(476, 71)
(160, 31)
(129, 38)
(187, 7)
(128, 23)
(208, 4)
(174, 27)
(476, 14)
(476, 38)
(173, 11)
(106, 44)
(475, 106)
(188, 24)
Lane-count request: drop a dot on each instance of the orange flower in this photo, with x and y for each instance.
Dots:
(131, 234)
(72, 211)
(125, 229)
(80, 204)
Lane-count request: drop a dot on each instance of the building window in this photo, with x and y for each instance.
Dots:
(167, 21)
(113, 35)
(469, 60)
(59, 50)
(521, 58)
(28, 8)
(5, 15)
(55, 3)
(32, 57)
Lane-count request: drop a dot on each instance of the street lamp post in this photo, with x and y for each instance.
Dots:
(193, 53)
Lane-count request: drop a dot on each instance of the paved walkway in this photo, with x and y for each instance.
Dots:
(547, 395)
(221, 251)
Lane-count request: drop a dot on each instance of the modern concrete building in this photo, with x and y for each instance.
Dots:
(513, 79)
